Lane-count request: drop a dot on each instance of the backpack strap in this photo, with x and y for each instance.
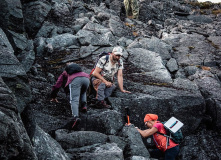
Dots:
(107, 57)
(167, 137)
(163, 134)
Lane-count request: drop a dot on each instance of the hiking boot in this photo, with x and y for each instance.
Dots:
(107, 101)
(84, 107)
(102, 104)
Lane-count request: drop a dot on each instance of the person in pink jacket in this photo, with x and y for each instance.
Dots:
(75, 82)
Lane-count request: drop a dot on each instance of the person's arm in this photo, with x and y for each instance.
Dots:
(97, 74)
(120, 81)
(57, 86)
(147, 132)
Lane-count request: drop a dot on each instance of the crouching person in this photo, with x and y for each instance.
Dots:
(103, 76)
(78, 83)
(170, 152)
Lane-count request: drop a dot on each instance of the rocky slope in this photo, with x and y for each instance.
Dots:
(172, 61)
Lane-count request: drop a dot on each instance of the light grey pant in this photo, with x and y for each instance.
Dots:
(104, 92)
(78, 92)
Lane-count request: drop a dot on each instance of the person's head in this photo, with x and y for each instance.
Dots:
(117, 53)
(150, 119)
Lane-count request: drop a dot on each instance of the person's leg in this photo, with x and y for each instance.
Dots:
(100, 88)
(155, 153)
(100, 92)
(75, 89)
(83, 98)
(127, 7)
(171, 153)
(109, 90)
(135, 9)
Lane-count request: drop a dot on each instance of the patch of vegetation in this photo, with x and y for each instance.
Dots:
(188, 55)
(217, 11)
(129, 25)
(202, 5)
(205, 6)
(191, 47)
(18, 86)
(174, 49)
(157, 84)
(54, 61)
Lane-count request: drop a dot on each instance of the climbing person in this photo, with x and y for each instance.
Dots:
(132, 9)
(155, 127)
(76, 82)
(103, 76)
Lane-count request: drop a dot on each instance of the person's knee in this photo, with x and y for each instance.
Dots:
(102, 86)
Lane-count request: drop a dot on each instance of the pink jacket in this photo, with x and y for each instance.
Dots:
(64, 80)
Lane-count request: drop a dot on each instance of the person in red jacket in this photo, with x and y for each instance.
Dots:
(170, 152)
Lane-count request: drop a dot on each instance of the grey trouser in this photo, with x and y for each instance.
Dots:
(78, 92)
(104, 92)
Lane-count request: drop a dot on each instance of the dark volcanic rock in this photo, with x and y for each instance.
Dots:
(171, 66)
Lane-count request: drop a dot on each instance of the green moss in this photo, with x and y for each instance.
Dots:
(157, 84)
(191, 47)
(188, 55)
(174, 49)
(18, 86)
(55, 61)
(206, 5)
(202, 5)
(218, 11)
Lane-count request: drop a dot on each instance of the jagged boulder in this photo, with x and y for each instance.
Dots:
(46, 147)
(11, 16)
(79, 138)
(34, 15)
(15, 143)
(150, 65)
(135, 145)
(200, 18)
(97, 151)
(10, 66)
(24, 49)
(190, 49)
(60, 42)
(107, 122)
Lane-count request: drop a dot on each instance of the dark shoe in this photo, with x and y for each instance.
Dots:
(102, 104)
(107, 101)
(83, 107)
